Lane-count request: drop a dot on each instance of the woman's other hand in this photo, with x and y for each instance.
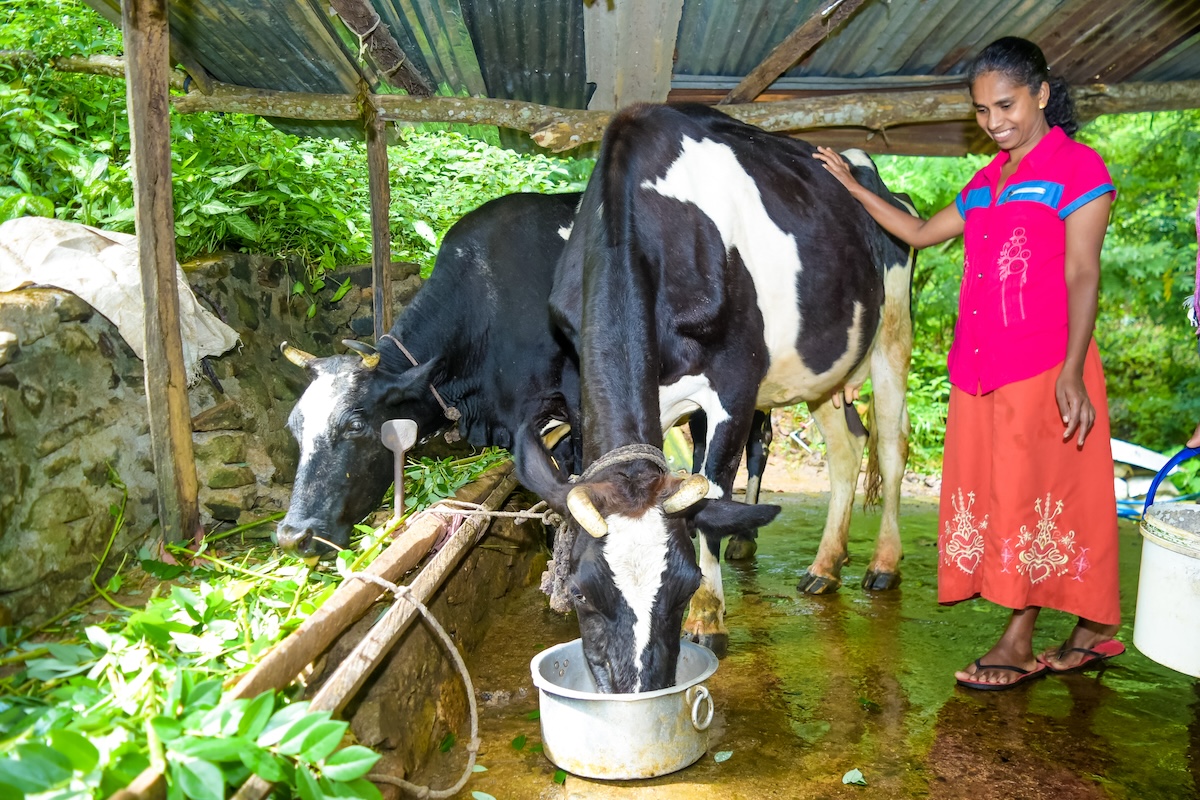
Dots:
(1078, 413)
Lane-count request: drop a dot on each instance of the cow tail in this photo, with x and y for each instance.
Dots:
(873, 481)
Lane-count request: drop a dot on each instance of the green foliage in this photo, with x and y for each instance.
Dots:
(239, 184)
(86, 713)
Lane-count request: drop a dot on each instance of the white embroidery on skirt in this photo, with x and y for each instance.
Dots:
(1043, 552)
(1082, 564)
(1013, 263)
(1007, 554)
(964, 537)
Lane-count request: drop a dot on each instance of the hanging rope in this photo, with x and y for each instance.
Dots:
(402, 593)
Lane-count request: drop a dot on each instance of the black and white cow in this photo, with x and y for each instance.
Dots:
(714, 267)
(480, 331)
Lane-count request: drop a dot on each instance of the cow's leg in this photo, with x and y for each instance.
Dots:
(742, 547)
(889, 434)
(705, 623)
(844, 443)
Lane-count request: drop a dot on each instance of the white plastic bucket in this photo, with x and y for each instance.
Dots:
(1166, 625)
(622, 736)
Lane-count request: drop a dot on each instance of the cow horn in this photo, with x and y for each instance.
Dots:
(579, 502)
(693, 489)
(297, 357)
(370, 355)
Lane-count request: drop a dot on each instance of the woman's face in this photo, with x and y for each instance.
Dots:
(1009, 112)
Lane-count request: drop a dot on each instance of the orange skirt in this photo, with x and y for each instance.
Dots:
(1027, 519)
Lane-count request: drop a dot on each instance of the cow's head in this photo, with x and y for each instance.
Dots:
(344, 468)
(633, 562)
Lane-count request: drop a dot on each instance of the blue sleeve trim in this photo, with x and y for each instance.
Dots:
(958, 202)
(1086, 198)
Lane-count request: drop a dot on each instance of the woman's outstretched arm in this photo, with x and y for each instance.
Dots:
(914, 231)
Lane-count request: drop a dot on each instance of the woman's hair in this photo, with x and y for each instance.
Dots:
(1023, 63)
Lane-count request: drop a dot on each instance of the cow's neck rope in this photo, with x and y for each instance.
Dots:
(554, 579)
(450, 412)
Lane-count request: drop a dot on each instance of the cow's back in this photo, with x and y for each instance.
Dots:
(484, 314)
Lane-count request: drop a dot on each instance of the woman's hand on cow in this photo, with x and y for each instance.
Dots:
(1078, 413)
(836, 166)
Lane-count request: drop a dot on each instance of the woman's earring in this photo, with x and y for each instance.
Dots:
(1042, 106)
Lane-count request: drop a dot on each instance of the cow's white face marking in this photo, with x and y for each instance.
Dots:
(636, 551)
(318, 407)
(708, 175)
(565, 231)
(689, 393)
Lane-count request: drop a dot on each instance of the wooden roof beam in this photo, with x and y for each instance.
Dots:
(362, 20)
(798, 44)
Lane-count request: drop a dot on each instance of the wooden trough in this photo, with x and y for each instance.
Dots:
(347, 648)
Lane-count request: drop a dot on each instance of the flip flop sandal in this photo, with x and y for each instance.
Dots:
(1024, 676)
(1093, 657)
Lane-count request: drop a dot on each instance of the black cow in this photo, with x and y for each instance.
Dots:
(713, 267)
(481, 334)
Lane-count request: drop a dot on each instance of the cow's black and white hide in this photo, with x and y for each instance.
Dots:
(715, 267)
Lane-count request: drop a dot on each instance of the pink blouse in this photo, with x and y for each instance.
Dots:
(1012, 307)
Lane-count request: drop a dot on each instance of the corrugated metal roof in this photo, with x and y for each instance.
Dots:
(534, 50)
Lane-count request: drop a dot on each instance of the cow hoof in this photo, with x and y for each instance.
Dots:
(876, 581)
(740, 549)
(717, 642)
(817, 584)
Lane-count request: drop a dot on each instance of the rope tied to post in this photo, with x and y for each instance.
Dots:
(558, 569)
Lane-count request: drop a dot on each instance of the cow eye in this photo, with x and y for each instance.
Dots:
(356, 426)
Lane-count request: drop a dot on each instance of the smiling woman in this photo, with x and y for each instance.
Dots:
(1028, 517)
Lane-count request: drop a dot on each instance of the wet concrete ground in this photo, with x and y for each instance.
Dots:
(816, 686)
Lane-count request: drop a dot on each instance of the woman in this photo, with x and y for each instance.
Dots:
(1028, 515)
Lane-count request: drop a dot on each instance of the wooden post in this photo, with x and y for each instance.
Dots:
(381, 234)
(145, 30)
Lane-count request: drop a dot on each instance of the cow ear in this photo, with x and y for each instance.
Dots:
(727, 517)
(413, 382)
(537, 471)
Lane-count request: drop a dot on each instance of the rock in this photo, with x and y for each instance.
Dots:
(227, 505)
(226, 477)
(71, 308)
(225, 416)
(224, 448)
(57, 506)
(10, 347)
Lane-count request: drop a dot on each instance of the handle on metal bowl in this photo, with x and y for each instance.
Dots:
(701, 695)
(1176, 460)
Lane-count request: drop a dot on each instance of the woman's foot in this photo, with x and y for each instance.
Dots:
(1086, 636)
(1011, 659)
(1002, 665)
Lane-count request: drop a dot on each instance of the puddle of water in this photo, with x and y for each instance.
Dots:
(816, 686)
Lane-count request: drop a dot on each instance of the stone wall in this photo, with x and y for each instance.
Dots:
(73, 425)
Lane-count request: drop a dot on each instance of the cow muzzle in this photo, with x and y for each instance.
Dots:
(306, 538)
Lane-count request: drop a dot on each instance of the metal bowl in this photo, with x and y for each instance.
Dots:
(622, 736)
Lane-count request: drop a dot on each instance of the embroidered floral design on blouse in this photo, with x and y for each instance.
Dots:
(964, 534)
(1044, 552)
(1013, 263)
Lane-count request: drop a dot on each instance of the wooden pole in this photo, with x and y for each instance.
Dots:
(147, 66)
(381, 234)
